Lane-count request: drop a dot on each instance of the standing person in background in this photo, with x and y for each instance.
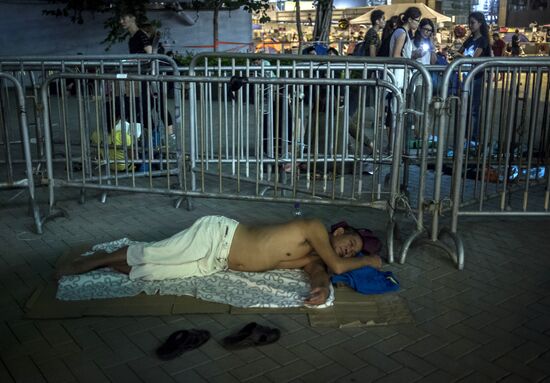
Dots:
(401, 44)
(372, 40)
(498, 48)
(423, 41)
(515, 43)
(498, 45)
(384, 51)
(391, 25)
(478, 44)
(368, 48)
(139, 41)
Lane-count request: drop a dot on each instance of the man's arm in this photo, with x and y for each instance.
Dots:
(319, 281)
(318, 238)
(372, 50)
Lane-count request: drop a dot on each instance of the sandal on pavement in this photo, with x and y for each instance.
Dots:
(251, 335)
(182, 341)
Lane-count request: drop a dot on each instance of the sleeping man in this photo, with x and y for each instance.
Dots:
(215, 243)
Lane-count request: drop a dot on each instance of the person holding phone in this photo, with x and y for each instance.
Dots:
(424, 43)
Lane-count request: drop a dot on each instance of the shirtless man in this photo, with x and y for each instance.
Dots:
(216, 243)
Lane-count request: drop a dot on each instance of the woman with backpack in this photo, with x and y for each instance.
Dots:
(401, 43)
(401, 46)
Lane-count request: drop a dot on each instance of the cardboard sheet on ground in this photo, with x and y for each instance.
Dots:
(351, 309)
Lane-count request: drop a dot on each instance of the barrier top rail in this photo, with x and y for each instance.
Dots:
(210, 79)
(384, 61)
(95, 60)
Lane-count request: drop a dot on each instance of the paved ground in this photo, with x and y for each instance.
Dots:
(490, 322)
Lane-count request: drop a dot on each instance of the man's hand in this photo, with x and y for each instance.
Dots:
(317, 296)
(373, 261)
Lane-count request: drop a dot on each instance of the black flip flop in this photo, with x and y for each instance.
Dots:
(182, 341)
(251, 335)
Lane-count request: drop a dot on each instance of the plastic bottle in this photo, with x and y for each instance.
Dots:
(297, 212)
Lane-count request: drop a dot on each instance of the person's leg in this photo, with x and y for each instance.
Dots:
(83, 264)
(476, 104)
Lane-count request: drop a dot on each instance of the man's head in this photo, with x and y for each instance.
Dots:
(346, 241)
(496, 36)
(377, 18)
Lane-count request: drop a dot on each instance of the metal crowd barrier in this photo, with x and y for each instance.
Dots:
(32, 71)
(15, 148)
(226, 146)
(360, 99)
(493, 144)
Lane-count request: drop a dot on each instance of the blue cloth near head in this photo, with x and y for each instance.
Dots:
(368, 280)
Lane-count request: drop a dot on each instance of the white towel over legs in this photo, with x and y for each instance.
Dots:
(199, 250)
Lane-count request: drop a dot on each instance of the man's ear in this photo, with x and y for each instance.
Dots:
(338, 232)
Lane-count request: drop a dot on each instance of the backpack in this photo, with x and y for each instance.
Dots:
(360, 49)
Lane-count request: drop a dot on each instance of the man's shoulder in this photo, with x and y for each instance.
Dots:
(372, 32)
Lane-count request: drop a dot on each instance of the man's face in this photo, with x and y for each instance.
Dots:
(125, 21)
(381, 22)
(346, 245)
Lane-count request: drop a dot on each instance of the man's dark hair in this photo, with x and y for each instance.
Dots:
(376, 15)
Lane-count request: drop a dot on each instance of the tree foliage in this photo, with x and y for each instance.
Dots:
(75, 10)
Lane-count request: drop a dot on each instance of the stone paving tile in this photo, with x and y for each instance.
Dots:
(465, 331)
(459, 348)
(4, 374)
(189, 376)
(475, 376)
(449, 365)
(310, 355)
(378, 359)
(84, 369)
(223, 378)
(49, 354)
(300, 336)
(324, 341)
(189, 360)
(477, 361)
(437, 376)
(527, 352)
(404, 374)
(121, 373)
(345, 358)
(290, 371)
(414, 362)
(368, 373)
(513, 378)
(254, 369)
(532, 335)
(220, 366)
(23, 370)
(330, 373)
(426, 346)
(56, 371)
(530, 373)
(279, 354)
(155, 375)
(394, 344)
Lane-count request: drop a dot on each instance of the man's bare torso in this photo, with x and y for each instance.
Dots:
(264, 248)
